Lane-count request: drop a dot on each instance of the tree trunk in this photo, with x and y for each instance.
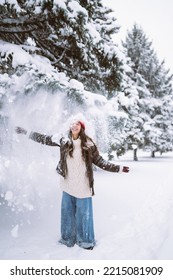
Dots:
(135, 158)
(153, 154)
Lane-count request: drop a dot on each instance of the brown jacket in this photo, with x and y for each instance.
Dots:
(92, 156)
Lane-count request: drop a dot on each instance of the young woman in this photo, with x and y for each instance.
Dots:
(77, 154)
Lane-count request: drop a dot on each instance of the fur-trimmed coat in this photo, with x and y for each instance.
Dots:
(92, 156)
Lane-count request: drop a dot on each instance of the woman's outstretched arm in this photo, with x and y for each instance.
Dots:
(37, 137)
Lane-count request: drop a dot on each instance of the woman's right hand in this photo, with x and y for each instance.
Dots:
(20, 130)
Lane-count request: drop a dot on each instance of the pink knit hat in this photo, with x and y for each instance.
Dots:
(82, 124)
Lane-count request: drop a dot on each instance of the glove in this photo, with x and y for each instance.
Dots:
(20, 130)
(125, 169)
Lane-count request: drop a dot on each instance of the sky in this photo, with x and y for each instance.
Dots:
(155, 18)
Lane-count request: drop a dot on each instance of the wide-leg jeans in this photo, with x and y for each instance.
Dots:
(77, 221)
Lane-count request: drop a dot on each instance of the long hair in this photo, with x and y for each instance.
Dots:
(84, 138)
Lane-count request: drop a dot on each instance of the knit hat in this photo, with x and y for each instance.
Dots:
(82, 124)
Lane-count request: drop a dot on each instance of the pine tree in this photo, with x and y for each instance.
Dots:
(159, 136)
(74, 35)
(153, 84)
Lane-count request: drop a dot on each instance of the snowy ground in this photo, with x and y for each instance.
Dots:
(132, 214)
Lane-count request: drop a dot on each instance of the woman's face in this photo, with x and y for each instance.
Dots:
(75, 129)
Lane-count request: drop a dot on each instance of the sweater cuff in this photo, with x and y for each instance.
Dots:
(28, 133)
(121, 169)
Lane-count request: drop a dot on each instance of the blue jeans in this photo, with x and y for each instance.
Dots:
(77, 221)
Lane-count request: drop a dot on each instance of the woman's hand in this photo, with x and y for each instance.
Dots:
(125, 169)
(20, 130)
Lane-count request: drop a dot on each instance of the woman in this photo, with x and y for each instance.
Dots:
(77, 154)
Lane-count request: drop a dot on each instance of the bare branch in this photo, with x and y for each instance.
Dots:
(16, 30)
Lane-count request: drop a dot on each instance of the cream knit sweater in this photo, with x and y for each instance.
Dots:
(76, 183)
